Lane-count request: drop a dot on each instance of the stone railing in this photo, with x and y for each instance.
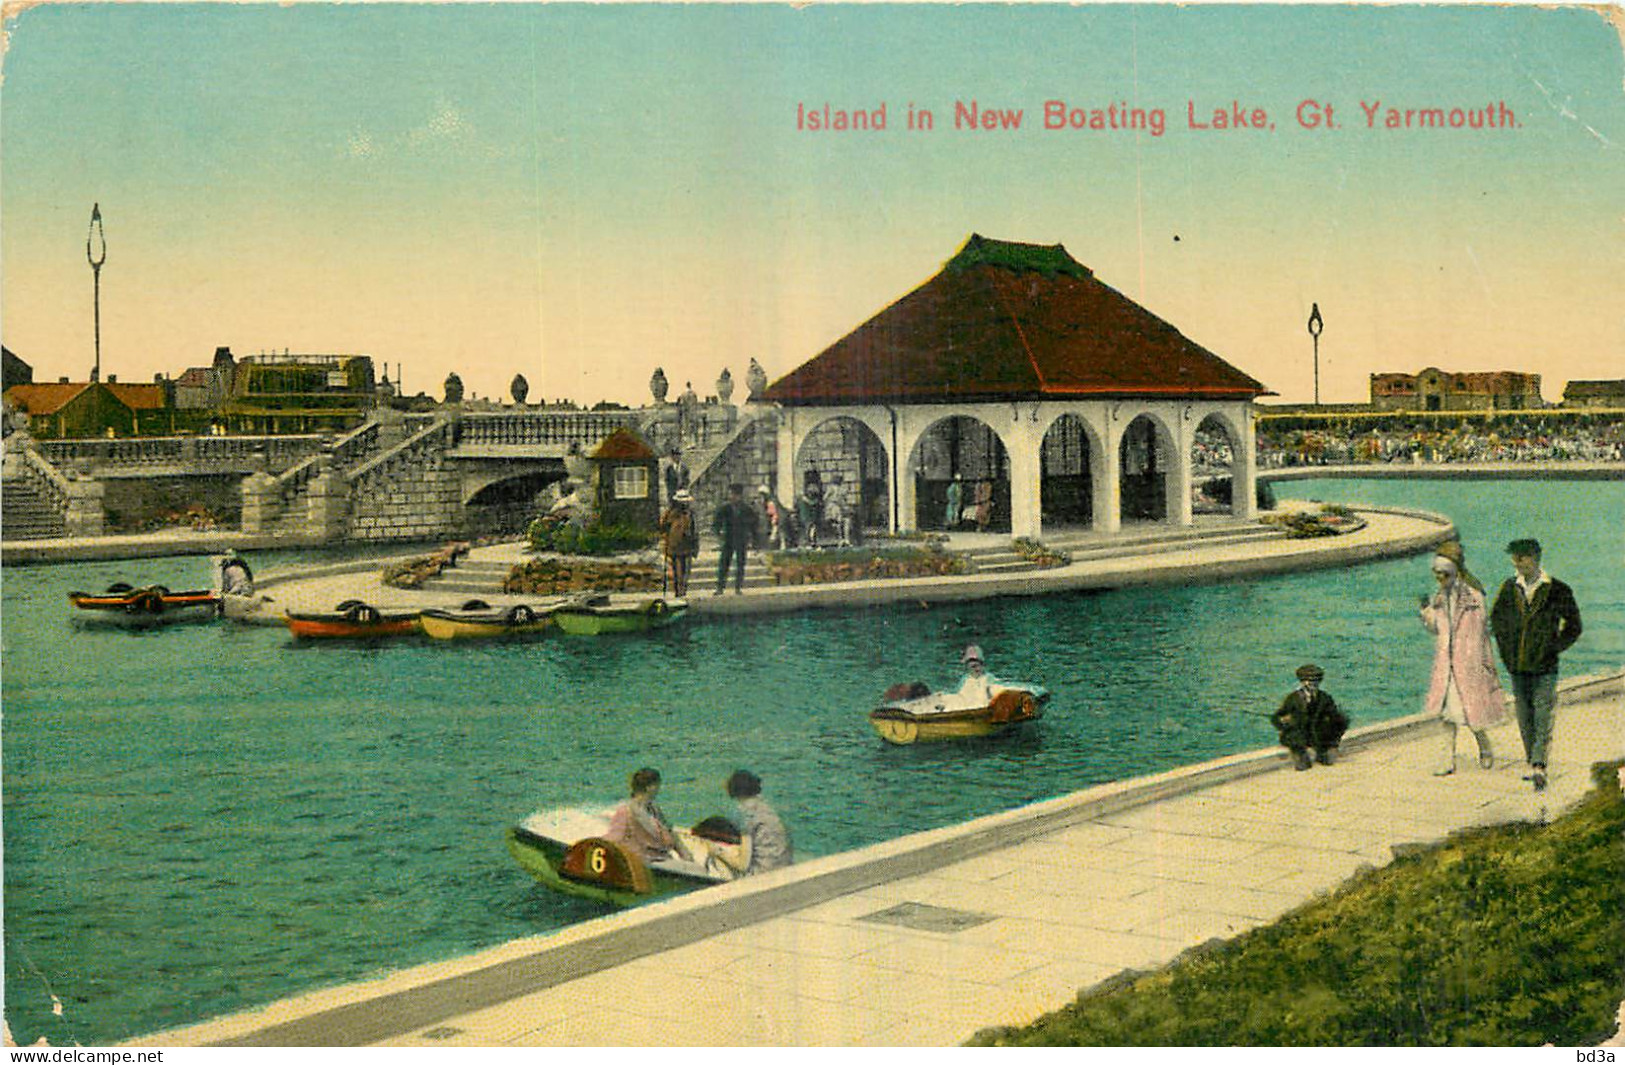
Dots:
(543, 428)
(438, 436)
(347, 449)
(194, 452)
(45, 478)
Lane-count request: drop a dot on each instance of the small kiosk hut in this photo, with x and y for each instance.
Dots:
(625, 487)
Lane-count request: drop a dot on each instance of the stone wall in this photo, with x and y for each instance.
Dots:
(137, 502)
(414, 495)
(752, 460)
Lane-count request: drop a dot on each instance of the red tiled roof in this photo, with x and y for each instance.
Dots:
(1006, 321)
(139, 397)
(44, 398)
(623, 444)
(196, 377)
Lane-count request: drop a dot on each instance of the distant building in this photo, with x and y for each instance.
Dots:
(1435, 389)
(15, 371)
(206, 387)
(78, 409)
(297, 393)
(1608, 394)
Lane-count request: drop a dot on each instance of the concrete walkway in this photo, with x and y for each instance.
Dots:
(928, 939)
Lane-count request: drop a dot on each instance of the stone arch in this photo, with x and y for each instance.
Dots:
(842, 459)
(1146, 456)
(506, 505)
(1216, 454)
(1069, 463)
(967, 447)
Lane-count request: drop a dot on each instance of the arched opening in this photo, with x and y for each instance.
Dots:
(507, 507)
(1213, 466)
(961, 477)
(1067, 490)
(1144, 455)
(843, 473)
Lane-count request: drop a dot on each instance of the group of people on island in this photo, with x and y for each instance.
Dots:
(1533, 619)
(643, 828)
(823, 517)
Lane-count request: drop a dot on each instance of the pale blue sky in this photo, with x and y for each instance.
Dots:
(581, 193)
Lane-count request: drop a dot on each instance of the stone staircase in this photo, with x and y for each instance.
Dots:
(25, 513)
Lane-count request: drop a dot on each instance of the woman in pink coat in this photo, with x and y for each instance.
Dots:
(1464, 689)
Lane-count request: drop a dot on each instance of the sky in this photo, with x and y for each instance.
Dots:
(583, 193)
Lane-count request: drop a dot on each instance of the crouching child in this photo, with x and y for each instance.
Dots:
(1309, 721)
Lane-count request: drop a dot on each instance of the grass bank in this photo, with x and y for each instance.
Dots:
(1505, 936)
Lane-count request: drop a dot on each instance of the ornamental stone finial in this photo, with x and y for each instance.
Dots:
(658, 385)
(725, 386)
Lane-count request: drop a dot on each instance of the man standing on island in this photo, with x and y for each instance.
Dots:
(735, 526)
(1535, 619)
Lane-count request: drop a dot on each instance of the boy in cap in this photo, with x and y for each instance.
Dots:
(1309, 718)
(1535, 619)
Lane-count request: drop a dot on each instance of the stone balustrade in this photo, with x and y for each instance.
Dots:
(193, 452)
(542, 428)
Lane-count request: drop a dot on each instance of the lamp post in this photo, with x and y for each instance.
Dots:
(96, 258)
(1315, 326)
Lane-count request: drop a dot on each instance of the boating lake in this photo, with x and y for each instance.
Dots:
(205, 818)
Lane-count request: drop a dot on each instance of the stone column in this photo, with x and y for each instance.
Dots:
(86, 515)
(1177, 481)
(1026, 477)
(1106, 479)
(261, 499)
(327, 505)
(785, 458)
(1244, 470)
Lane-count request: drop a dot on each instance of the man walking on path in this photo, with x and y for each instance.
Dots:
(735, 526)
(1535, 619)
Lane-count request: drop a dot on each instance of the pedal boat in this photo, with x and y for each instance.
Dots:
(128, 607)
(598, 615)
(486, 623)
(908, 716)
(566, 851)
(352, 620)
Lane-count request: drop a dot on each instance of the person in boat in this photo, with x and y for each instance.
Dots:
(978, 685)
(764, 842)
(640, 826)
(235, 576)
(682, 539)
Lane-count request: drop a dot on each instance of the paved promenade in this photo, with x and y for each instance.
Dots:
(928, 939)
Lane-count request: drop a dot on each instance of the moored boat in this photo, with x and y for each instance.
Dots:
(487, 623)
(567, 852)
(125, 606)
(910, 715)
(599, 615)
(352, 620)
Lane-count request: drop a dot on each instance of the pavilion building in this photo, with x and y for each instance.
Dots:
(1016, 372)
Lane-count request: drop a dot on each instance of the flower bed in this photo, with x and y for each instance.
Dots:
(1041, 556)
(830, 567)
(563, 576)
(1331, 520)
(415, 571)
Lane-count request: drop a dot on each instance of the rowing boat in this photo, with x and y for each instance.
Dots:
(597, 616)
(129, 607)
(566, 851)
(352, 620)
(907, 716)
(487, 624)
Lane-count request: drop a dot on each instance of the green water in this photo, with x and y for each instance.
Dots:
(205, 818)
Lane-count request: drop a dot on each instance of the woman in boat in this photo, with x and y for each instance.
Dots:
(764, 842)
(639, 824)
(978, 685)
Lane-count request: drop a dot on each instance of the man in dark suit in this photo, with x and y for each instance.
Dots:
(1535, 619)
(1309, 718)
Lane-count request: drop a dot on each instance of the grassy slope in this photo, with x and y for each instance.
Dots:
(1506, 936)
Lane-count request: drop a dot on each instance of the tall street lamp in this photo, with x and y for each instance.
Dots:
(97, 256)
(1315, 326)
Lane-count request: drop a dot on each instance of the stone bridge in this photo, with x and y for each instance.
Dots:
(453, 473)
